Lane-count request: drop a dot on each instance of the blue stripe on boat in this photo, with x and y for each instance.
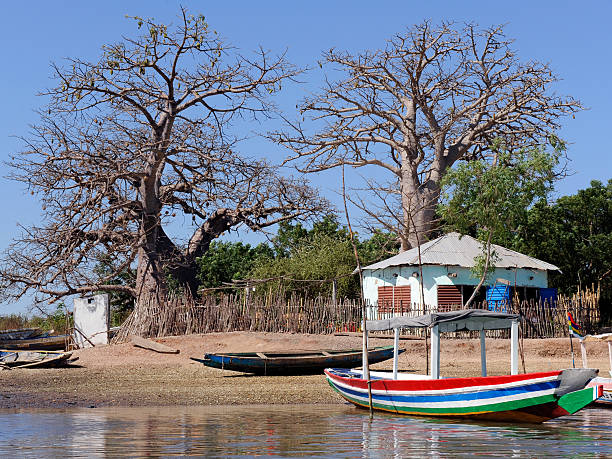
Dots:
(489, 394)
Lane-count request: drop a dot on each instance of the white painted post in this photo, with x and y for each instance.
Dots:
(395, 351)
(610, 354)
(585, 364)
(435, 352)
(364, 352)
(483, 354)
(514, 345)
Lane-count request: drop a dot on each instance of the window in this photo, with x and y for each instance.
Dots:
(449, 298)
(394, 299)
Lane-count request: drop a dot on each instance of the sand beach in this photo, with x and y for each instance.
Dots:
(124, 375)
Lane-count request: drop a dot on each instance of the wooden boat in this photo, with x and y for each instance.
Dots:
(41, 343)
(531, 397)
(606, 398)
(295, 363)
(30, 359)
(20, 333)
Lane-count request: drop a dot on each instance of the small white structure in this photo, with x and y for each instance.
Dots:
(446, 263)
(91, 320)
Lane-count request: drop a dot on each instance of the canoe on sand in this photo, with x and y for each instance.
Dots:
(294, 362)
(30, 359)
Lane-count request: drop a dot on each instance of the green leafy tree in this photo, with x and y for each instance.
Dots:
(380, 245)
(121, 302)
(228, 261)
(317, 257)
(291, 235)
(574, 233)
(307, 259)
(492, 199)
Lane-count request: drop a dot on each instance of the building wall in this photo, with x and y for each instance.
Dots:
(439, 275)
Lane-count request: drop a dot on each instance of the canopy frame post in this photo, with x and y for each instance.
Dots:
(610, 355)
(514, 345)
(364, 352)
(585, 363)
(483, 354)
(395, 351)
(435, 352)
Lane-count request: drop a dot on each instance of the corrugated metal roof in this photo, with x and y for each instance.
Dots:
(453, 249)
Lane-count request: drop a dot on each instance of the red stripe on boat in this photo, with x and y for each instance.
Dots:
(440, 384)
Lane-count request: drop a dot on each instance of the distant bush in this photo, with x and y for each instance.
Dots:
(13, 321)
(56, 321)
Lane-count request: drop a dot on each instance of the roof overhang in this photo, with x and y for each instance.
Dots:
(454, 321)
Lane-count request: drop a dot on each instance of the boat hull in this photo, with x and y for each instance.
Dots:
(533, 398)
(34, 359)
(606, 398)
(48, 343)
(294, 363)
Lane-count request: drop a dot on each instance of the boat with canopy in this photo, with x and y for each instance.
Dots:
(530, 397)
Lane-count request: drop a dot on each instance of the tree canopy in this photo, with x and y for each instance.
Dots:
(434, 95)
(574, 233)
(131, 140)
(492, 199)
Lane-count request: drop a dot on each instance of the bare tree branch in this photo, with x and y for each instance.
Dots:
(130, 140)
(431, 97)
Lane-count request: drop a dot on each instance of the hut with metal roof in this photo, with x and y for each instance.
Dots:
(393, 285)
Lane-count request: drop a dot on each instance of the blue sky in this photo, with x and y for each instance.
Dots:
(573, 38)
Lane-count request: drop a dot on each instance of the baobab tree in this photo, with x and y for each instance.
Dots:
(433, 96)
(133, 141)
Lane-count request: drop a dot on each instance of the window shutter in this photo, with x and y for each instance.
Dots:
(397, 301)
(449, 297)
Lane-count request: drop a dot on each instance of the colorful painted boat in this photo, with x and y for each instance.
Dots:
(295, 363)
(34, 359)
(606, 398)
(531, 397)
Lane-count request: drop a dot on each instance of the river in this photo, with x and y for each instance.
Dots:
(290, 431)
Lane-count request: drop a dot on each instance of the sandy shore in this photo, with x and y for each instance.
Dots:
(124, 375)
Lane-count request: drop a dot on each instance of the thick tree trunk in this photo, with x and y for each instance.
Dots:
(419, 200)
(180, 265)
(419, 211)
(149, 274)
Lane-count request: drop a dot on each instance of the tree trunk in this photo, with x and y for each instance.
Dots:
(420, 200)
(149, 274)
(419, 210)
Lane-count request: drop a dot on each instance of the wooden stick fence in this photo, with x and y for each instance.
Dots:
(274, 312)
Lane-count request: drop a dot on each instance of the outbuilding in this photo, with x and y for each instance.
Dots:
(394, 285)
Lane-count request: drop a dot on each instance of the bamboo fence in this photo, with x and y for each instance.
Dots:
(181, 314)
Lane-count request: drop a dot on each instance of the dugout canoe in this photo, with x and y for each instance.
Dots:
(34, 359)
(40, 343)
(21, 333)
(295, 362)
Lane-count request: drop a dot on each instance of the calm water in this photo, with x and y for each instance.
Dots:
(326, 431)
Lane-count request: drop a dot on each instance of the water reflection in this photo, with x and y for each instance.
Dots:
(329, 431)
